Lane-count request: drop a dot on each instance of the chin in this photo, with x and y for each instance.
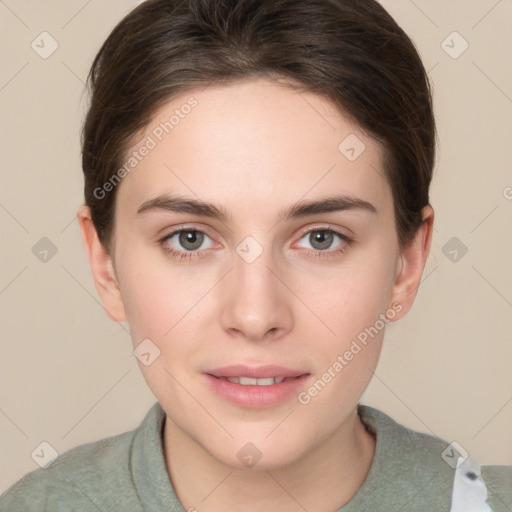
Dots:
(260, 454)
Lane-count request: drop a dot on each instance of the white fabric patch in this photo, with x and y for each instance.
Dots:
(469, 490)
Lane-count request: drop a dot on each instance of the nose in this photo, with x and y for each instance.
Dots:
(255, 303)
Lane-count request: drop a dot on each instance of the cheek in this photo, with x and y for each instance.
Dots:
(150, 294)
(352, 298)
(155, 289)
(157, 302)
(353, 308)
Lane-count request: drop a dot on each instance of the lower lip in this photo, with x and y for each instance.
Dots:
(257, 397)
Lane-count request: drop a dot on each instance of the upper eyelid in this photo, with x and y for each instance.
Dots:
(326, 228)
(187, 227)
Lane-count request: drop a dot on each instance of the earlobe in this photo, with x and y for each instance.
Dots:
(101, 266)
(411, 264)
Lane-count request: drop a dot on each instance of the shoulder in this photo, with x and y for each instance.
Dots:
(90, 477)
(429, 470)
(498, 480)
(77, 478)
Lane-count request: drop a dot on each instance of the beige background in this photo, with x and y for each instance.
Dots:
(68, 375)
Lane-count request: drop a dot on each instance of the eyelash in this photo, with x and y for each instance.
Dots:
(316, 254)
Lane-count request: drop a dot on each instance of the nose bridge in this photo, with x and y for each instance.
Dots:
(253, 277)
(254, 304)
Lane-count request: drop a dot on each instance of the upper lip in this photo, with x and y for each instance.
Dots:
(256, 372)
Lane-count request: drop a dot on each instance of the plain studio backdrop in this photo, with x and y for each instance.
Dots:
(68, 374)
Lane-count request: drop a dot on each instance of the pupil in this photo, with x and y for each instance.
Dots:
(321, 239)
(191, 240)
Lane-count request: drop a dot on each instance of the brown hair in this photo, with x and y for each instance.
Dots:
(350, 51)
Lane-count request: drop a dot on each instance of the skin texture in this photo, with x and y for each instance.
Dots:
(253, 149)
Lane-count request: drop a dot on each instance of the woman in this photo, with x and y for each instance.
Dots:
(257, 209)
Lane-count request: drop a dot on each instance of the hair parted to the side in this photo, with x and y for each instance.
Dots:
(350, 51)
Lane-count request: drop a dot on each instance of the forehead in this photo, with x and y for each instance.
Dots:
(253, 145)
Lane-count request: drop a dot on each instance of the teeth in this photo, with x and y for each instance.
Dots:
(250, 381)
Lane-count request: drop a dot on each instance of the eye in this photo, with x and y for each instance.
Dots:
(324, 239)
(183, 241)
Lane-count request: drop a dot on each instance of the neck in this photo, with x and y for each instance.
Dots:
(326, 478)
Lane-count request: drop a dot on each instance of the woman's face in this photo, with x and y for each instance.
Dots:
(256, 230)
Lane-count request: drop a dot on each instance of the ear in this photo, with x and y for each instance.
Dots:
(102, 267)
(411, 264)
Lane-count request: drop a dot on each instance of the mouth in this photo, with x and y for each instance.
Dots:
(251, 381)
(256, 387)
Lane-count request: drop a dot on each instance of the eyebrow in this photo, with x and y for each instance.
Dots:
(298, 210)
